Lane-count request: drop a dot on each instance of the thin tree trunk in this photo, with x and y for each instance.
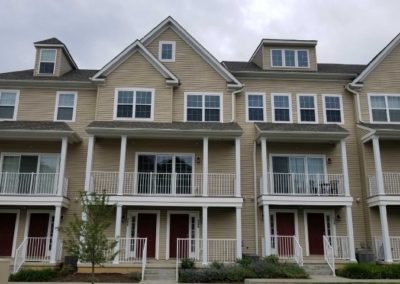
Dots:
(92, 272)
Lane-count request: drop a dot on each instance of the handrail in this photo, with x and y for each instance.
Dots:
(20, 255)
(298, 252)
(287, 247)
(329, 254)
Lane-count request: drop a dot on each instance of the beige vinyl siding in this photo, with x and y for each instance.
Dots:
(135, 72)
(311, 54)
(64, 65)
(258, 58)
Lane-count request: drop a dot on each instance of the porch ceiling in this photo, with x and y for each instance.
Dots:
(300, 132)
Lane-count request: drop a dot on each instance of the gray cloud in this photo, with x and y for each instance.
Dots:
(350, 31)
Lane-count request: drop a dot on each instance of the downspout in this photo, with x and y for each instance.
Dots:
(255, 193)
(350, 87)
(234, 102)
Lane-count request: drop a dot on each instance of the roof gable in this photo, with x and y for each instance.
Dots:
(136, 46)
(197, 47)
(377, 60)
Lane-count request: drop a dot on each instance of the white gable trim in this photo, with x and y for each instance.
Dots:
(137, 46)
(377, 60)
(204, 53)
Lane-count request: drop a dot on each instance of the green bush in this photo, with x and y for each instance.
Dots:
(216, 265)
(187, 263)
(370, 271)
(135, 276)
(30, 275)
(272, 259)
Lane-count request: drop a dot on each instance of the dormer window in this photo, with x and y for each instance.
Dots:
(289, 58)
(167, 51)
(47, 61)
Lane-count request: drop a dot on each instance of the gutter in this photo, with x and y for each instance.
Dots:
(234, 102)
(351, 87)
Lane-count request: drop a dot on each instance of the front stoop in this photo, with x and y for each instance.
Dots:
(317, 269)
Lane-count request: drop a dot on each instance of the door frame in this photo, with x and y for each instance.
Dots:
(129, 215)
(16, 226)
(196, 214)
(295, 216)
(28, 221)
(327, 212)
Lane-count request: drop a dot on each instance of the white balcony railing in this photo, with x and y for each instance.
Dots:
(31, 184)
(287, 247)
(394, 246)
(170, 184)
(341, 246)
(304, 184)
(391, 183)
(329, 254)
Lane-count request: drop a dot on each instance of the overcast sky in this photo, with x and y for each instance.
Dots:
(348, 31)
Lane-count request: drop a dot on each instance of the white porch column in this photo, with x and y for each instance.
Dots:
(205, 166)
(378, 165)
(205, 234)
(267, 231)
(63, 159)
(350, 233)
(54, 240)
(89, 163)
(238, 232)
(118, 220)
(264, 166)
(345, 168)
(385, 234)
(237, 168)
(121, 172)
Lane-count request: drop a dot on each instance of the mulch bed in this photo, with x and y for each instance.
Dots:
(100, 277)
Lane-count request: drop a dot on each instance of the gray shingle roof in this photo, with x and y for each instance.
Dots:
(299, 127)
(80, 75)
(381, 126)
(35, 125)
(52, 40)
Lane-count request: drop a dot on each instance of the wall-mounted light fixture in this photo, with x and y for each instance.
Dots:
(329, 161)
(198, 159)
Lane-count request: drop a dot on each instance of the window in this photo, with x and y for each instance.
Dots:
(333, 109)
(47, 61)
(281, 108)
(65, 106)
(203, 107)
(255, 107)
(167, 51)
(134, 104)
(385, 108)
(291, 58)
(306, 106)
(8, 104)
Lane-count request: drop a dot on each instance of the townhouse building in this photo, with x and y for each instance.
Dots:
(203, 159)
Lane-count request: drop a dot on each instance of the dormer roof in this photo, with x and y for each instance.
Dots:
(55, 42)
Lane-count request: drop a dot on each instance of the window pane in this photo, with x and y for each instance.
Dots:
(6, 112)
(276, 57)
(394, 102)
(48, 55)
(256, 114)
(282, 115)
(307, 115)
(255, 100)
(211, 115)
(46, 68)
(378, 102)
(379, 115)
(143, 111)
(125, 97)
(211, 101)
(281, 101)
(124, 111)
(194, 101)
(66, 100)
(65, 113)
(333, 116)
(302, 58)
(289, 58)
(394, 115)
(332, 102)
(306, 102)
(7, 98)
(48, 164)
(315, 165)
(10, 164)
(143, 98)
(166, 51)
(194, 114)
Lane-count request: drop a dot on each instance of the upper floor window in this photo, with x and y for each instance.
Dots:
(282, 106)
(134, 104)
(255, 103)
(47, 61)
(203, 107)
(307, 109)
(167, 51)
(65, 106)
(385, 108)
(8, 104)
(333, 109)
(292, 58)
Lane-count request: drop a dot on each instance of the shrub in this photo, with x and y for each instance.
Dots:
(135, 276)
(370, 271)
(271, 259)
(30, 275)
(187, 263)
(244, 262)
(216, 265)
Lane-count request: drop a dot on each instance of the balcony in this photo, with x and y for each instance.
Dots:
(391, 189)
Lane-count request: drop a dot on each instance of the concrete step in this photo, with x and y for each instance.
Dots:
(317, 269)
(160, 273)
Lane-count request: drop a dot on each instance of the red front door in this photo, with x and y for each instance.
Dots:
(7, 226)
(316, 230)
(285, 227)
(147, 228)
(178, 228)
(38, 229)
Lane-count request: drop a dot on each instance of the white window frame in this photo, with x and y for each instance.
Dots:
(305, 156)
(160, 44)
(247, 94)
(15, 106)
(134, 90)
(296, 60)
(341, 108)
(40, 61)
(299, 108)
(74, 107)
(203, 108)
(387, 108)
(273, 95)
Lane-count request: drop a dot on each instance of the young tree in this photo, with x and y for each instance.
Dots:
(86, 239)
